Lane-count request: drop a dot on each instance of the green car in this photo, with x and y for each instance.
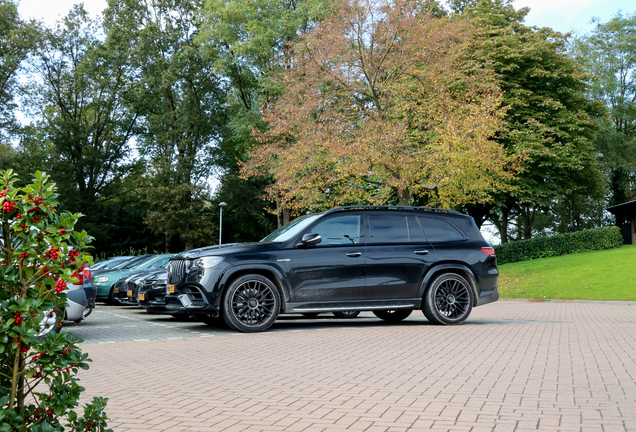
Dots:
(105, 279)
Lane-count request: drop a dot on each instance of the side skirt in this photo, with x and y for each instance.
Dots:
(347, 306)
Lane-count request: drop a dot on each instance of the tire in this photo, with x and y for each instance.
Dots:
(448, 300)
(393, 315)
(310, 315)
(346, 314)
(251, 304)
(111, 297)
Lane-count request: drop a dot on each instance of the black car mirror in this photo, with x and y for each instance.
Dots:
(311, 239)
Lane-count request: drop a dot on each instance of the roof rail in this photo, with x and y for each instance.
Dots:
(392, 207)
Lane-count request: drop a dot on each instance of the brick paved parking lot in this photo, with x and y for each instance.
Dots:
(514, 366)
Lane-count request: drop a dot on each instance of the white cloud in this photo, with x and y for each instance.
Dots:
(51, 11)
(556, 7)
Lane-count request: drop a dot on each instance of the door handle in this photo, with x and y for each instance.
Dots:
(421, 252)
(354, 254)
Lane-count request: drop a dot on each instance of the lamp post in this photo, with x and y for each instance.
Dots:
(221, 205)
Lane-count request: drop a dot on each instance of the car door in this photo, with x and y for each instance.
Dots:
(334, 269)
(398, 256)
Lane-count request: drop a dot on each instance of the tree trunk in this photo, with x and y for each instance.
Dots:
(278, 219)
(285, 217)
(404, 200)
(529, 215)
(619, 179)
(503, 231)
(479, 212)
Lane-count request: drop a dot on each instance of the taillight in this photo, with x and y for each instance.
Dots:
(488, 251)
(87, 273)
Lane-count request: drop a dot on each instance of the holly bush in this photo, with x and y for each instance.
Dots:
(40, 252)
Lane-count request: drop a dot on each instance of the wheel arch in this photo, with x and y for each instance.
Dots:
(270, 273)
(442, 268)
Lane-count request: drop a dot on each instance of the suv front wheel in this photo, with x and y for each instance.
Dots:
(251, 304)
(448, 300)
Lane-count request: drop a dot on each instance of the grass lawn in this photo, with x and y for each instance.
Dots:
(598, 275)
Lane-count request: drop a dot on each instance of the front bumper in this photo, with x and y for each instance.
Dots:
(190, 299)
(154, 297)
(127, 294)
(196, 292)
(103, 289)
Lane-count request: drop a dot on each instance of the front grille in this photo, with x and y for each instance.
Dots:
(176, 271)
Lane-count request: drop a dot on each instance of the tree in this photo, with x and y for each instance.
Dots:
(549, 123)
(180, 101)
(379, 101)
(247, 42)
(608, 53)
(86, 120)
(39, 252)
(18, 39)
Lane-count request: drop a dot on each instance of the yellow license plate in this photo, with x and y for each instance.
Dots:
(170, 289)
(142, 297)
(129, 293)
(116, 290)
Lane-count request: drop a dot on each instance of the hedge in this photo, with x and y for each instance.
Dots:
(560, 244)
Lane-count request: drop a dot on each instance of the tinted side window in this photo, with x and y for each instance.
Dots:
(340, 230)
(439, 230)
(415, 231)
(388, 229)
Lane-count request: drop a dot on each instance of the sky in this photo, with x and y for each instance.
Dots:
(561, 15)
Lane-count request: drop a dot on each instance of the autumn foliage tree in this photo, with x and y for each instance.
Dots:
(379, 103)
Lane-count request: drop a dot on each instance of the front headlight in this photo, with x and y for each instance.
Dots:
(100, 279)
(161, 281)
(205, 262)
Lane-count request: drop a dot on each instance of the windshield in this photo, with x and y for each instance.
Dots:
(292, 229)
(135, 262)
(111, 263)
(121, 263)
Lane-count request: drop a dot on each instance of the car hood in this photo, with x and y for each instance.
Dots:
(228, 249)
(138, 273)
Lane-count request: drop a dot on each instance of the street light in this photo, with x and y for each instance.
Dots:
(221, 205)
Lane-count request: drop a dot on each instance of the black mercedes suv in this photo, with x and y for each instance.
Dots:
(384, 259)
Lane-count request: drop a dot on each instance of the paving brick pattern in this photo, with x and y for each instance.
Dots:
(514, 366)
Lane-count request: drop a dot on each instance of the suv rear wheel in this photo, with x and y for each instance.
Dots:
(251, 304)
(393, 315)
(346, 314)
(448, 300)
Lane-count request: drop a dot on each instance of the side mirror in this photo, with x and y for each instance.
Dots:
(311, 239)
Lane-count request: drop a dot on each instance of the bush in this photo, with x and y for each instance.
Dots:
(40, 252)
(561, 244)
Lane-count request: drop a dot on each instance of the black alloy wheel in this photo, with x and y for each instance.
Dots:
(111, 296)
(251, 304)
(448, 300)
(346, 314)
(393, 315)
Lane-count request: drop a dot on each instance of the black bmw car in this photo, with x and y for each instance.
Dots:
(384, 259)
